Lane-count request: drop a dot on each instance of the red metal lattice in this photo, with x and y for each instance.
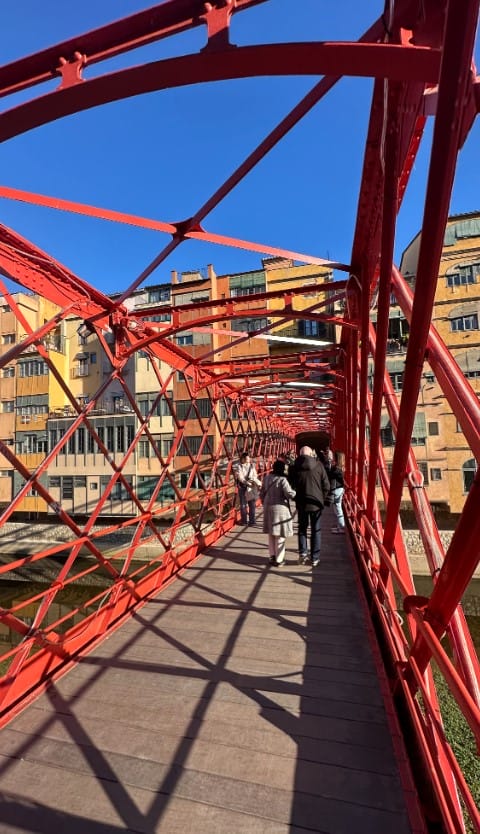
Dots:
(254, 397)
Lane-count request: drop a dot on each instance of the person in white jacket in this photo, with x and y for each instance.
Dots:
(277, 515)
(248, 482)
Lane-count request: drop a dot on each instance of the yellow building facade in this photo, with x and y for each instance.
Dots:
(447, 461)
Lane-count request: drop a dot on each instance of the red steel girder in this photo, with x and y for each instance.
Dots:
(396, 62)
(197, 233)
(455, 75)
(132, 32)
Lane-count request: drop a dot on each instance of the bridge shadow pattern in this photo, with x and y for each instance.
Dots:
(243, 698)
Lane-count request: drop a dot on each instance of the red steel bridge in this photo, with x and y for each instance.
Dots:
(419, 53)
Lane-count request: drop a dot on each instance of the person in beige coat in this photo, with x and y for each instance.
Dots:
(277, 515)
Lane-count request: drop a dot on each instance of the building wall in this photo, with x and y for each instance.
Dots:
(457, 298)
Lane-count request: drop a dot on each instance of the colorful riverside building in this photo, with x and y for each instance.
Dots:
(28, 393)
(81, 473)
(35, 412)
(442, 452)
(222, 342)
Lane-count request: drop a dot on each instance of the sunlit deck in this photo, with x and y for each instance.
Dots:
(243, 699)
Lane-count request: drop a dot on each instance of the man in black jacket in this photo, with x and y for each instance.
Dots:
(311, 484)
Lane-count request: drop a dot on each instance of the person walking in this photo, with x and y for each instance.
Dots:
(312, 486)
(275, 493)
(248, 483)
(337, 489)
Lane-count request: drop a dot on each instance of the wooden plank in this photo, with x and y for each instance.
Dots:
(243, 699)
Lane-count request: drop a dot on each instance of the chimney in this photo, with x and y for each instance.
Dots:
(174, 276)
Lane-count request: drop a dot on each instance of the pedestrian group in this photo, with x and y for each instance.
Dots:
(312, 482)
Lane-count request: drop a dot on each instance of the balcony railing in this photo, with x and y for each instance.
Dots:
(397, 345)
(79, 371)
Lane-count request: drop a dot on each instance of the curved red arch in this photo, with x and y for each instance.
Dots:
(391, 61)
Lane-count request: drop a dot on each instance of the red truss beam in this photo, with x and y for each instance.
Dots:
(267, 400)
(159, 226)
(155, 23)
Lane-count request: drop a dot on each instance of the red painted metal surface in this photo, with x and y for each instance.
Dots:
(239, 394)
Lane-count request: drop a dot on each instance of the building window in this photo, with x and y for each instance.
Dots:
(190, 445)
(8, 406)
(166, 494)
(311, 327)
(9, 371)
(61, 433)
(186, 339)
(247, 291)
(249, 325)
(185, 410)
(104, 482)
(33, 367)
(387, 436)
(81, 441)
(469, 469)
(433, 429)
(161, 317)
(419, 431)
(110, 445)
(67, 488)
(247, 283)
(397, 381)
(465, 322)
(423, 467)
(166, 441)
(435, 474)
(158, 295)
(198, 482)
(463, 275)
(8, 339)
(81, 368)
(93, 358)
(165, 401)
(146, 486)
(71, 444)
(120, 438)
(144, 448)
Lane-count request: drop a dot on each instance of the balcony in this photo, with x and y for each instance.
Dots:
(79, 371)
(55, 342)
(398, 346)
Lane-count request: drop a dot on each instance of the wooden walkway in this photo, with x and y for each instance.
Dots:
(244, 699)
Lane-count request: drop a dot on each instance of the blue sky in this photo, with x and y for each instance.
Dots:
(162, 155)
